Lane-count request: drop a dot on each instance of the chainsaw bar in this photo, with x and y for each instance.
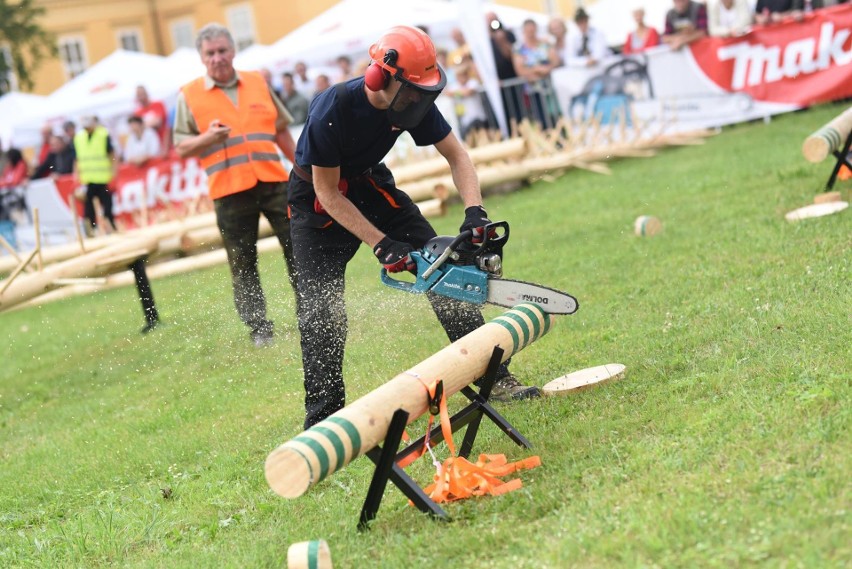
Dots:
(509, 293)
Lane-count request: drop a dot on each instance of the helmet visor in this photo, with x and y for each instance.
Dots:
(412, 102)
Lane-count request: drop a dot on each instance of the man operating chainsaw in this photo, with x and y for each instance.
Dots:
(341, 194)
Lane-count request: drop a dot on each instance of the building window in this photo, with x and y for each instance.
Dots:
(72, 53)
(8, 80)
(183, 34)
(241, 24)
(130, 39)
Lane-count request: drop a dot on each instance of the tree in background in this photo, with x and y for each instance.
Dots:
(23, 42)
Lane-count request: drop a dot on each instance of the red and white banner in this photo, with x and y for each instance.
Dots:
(163, 188)
(720, 81)
(796, 63)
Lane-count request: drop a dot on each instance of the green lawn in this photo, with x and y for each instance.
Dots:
(723, 447)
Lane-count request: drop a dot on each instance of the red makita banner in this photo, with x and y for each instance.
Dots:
(143, 195)
(796, 63)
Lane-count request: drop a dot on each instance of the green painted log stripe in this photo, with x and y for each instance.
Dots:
(351, 431)
(313, 554)
(515, 340)
(319, 450)
(831, 135)
(533, 318)
(335, 441)
(525, 328)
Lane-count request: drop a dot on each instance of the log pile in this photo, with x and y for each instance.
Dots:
(193, 242)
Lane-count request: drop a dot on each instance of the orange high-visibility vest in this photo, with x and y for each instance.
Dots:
(250, 153)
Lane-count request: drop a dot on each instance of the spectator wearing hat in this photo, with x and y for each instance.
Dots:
(588, 47)
(686, 22)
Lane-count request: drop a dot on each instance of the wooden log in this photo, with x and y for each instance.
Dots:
(328, 446)
(160, 231)
(77, 228)
(9, 249)
(87, 265)
(154, 271)
(829, 138)
(37, 229)
(432, 208)
(508, 149)
(8, 281)
(309, 555)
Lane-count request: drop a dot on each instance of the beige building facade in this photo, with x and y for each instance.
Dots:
(86, 31)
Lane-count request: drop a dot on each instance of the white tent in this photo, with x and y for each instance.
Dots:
(351, 26)
(17, 107)
(107, 89)
(184, 64)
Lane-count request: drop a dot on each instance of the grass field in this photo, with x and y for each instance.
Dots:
(727, 445)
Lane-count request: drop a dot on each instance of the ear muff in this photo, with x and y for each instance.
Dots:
(377, 77)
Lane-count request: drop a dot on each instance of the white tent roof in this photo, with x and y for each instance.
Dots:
(185, 64)
(108, 89)
(351, 26)
(109, 86)
(14, 108)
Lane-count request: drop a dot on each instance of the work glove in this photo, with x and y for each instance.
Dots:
(394, 255)
(475, 220)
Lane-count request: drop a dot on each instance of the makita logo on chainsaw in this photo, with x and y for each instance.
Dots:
(755, 64)
(536, 299)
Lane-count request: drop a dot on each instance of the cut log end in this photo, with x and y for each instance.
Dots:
(288, 472)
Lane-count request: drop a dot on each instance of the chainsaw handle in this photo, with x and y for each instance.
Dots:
(393, 283)
(462, 237)
(500, 230)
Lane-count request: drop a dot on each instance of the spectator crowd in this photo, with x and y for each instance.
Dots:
(524, 60)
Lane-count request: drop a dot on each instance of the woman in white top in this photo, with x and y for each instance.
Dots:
(726, 18)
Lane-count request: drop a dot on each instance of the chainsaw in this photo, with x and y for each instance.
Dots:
(455, 268)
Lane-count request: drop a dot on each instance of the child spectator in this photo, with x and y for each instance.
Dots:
(466, 91)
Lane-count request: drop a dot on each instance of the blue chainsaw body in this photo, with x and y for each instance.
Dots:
(461, 282)
(455, 268)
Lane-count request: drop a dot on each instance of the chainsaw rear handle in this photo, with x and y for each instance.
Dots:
(500, 230)
(419, 286)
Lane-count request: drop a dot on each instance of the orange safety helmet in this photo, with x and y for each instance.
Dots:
(405, 53)
(408, 55)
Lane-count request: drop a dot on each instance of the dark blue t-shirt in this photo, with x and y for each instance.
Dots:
(362, 138)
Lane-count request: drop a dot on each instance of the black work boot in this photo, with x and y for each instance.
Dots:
(508, 388)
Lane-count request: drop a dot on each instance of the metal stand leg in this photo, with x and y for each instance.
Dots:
(386, 458)
(842, 160)
(386, 468)
(143, 287)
